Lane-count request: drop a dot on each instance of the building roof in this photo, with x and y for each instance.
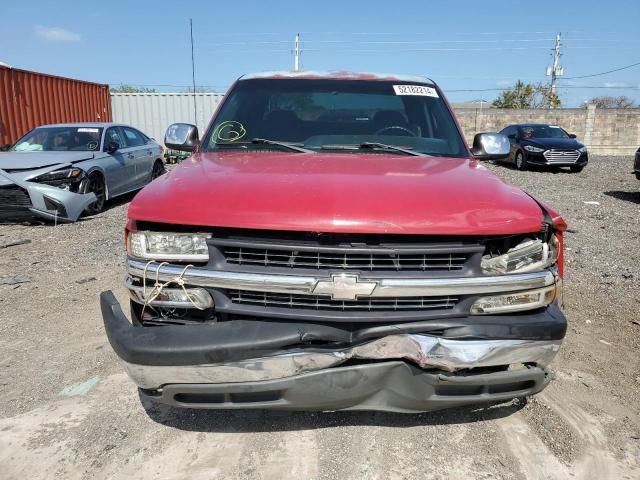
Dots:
(338, 75)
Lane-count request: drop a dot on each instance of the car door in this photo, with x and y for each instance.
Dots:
(118, 166)
(142, 156)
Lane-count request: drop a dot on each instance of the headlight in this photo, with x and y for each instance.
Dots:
(169, 246)
(515, 302)
(63, 178)
(582, 149)
(531, 148)
(527, 256)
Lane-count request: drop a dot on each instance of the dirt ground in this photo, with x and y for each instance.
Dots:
(68, 411)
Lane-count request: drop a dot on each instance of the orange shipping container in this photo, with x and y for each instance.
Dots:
(29, 99)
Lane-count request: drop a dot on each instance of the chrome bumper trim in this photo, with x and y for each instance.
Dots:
(423, 350)
(305, 285)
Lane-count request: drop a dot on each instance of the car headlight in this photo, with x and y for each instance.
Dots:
(63, 178)
(169, 246)
(515, 302)
(582, 149)
(531, 148)
(527, 256)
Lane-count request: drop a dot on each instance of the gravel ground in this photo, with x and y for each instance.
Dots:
(67, 411)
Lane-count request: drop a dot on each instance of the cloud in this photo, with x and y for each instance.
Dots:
(56, 34)
(616, 84)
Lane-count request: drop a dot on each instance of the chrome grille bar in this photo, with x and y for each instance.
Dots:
(561, 156)
(305, 284)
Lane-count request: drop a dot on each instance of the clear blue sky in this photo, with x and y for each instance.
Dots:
(460, 44)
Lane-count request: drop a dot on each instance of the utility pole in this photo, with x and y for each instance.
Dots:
(193, 76)
(296, 54)
(555, 70)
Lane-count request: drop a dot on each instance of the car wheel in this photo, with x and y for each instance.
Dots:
(158, 169)
(95, 184)
(521, 163)
(577, 168)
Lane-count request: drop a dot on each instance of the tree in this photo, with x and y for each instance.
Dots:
(124, 88)
(611, 102)
(527, 95)
(198, 90)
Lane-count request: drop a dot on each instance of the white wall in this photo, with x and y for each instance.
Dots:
(152, 113)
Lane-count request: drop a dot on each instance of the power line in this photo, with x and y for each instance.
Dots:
(603, 73)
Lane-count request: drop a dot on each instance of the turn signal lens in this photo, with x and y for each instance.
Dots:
(515, 302)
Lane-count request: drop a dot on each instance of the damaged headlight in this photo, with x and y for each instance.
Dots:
(66, 178)
(515, 302)
(169, 246)
(527, 256)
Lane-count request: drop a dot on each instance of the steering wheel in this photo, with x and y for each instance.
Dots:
(396, 127)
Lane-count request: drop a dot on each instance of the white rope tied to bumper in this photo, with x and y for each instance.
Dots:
(159, 286)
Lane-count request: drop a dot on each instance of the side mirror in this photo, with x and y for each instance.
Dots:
(5, 147)
(490, 146)
(513, 137)
(182, 137)
(112, 147)
(573, 135)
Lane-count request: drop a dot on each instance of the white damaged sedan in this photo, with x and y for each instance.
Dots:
(57, 172)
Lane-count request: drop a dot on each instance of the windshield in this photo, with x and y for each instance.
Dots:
(321, 114)
(64, 139)
(543, 131)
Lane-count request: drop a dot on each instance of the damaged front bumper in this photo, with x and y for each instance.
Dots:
(23, 198)
(410, 367)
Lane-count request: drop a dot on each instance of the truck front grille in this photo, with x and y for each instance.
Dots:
(344, 260)
(318, 302)
(561, 156)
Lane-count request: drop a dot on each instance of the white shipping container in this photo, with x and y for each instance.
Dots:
(152, 113)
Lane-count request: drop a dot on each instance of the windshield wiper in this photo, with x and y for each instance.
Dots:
(263, 141)
(373, 146)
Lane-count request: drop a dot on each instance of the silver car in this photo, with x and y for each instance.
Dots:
(57, 172)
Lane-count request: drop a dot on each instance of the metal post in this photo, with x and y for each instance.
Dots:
(555, 70)
(193, 76)
(296, 53)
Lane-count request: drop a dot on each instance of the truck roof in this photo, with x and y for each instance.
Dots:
(337, 75)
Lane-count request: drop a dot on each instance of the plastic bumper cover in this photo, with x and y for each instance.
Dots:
(259, 364)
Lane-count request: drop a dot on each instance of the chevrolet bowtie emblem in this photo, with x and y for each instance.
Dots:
(344, 287)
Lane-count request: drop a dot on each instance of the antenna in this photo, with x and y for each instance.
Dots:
(193, 76)
(296, 53)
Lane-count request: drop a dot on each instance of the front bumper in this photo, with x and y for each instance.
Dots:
(535, 158)
(414, 366)
(21, 199)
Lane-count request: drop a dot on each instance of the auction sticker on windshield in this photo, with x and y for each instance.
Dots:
(420, 90)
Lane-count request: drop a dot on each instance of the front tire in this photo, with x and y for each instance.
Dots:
(521, 163)
(158, 169)
(95, 184)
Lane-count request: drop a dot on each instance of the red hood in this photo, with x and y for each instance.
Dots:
(341, 192)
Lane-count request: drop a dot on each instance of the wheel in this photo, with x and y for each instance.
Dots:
(577, 168)
(95, 184)
(521, 163)
(158, 169)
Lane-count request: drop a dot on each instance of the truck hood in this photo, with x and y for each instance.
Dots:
(32, 160)
(337, 192)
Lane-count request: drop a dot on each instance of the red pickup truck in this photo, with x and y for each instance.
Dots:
(332, 243)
